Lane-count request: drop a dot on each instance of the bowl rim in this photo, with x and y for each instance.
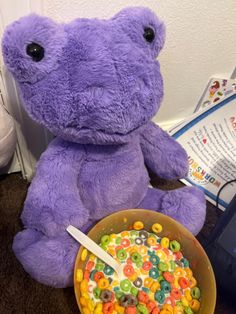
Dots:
(166, 217)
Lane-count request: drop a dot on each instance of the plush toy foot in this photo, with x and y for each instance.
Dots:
(48, 260)
(186, 205)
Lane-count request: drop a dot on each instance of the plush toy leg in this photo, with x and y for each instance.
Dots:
(186, 205)
(48, 260)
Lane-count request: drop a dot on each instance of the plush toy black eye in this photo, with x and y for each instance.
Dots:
(35, 51)
(149, 34)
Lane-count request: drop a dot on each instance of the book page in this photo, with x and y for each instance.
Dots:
(209, 137)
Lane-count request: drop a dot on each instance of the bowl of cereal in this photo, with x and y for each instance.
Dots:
(165, 269)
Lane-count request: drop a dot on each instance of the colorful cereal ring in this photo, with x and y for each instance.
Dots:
(134, 291)
(188, 272)
(138, 282)
(172, 265)
(194, 305)
(179, 272)
(184, 301)
(147, 265)
(143, 297)
(157, 228)
(125, 285)
(89, 265)
(86, 274)
(183, 282)
(134, 233)
(128, 300)
(151, 241)
(142, 309)
(96, 292)
(161, 255)
(79, 275)
(103, 283)
(155, 286)
(178, 309)
(168, 305)
(135, 257)
(143, 234)
(148, 281)
(99, 266)
(118, 240)
(165, 242)
(185, 262)
(105, 239)
(106, 295)
(195, 293)
(134, 276)
(130, 310)
(178, 255)
(108, 270)
(176, 293)
(125, 242)
(192, 282)
(138, 225)
(119, 294)
(84, 255)
(98, 275)
(119, 309)
(145, 258)
(121, 254)
(156, 310)
(168, 276)
(124, 234)
(128, 270)
(154, 273)
(138, 241)
(142, 249)
(163, 266)
(108, 308)
(174, 246)
(188, 310)
(187, 294)
(160, 296)
(154, 259)
(165, 286)
(151, 305)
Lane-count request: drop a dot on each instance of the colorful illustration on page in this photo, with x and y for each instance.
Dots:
(217, 90)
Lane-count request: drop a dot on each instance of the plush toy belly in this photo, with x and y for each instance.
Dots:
(113, 179)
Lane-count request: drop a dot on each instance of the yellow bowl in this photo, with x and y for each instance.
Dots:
(191, 248)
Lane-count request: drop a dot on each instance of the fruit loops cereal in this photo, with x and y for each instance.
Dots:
(156, 276)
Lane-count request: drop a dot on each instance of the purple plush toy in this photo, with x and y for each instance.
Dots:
(95, 84)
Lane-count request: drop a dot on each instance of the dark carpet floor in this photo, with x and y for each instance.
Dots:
(18, 292)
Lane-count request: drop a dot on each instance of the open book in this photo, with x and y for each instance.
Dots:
(209, 137)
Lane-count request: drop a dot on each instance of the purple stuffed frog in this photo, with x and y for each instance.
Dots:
(95, 84)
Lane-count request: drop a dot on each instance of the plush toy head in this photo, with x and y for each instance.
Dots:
(90, 76)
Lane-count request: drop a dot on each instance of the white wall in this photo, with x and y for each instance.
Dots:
(200, 43)
(32, 139)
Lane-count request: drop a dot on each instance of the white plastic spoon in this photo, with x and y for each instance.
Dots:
(95, 249)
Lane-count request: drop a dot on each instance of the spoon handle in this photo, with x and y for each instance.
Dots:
(93, 247)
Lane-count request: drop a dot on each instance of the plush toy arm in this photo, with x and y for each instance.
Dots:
(162, 154)
(53, 201)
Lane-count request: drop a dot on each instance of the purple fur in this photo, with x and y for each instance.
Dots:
(96, 89)
(94, 76)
